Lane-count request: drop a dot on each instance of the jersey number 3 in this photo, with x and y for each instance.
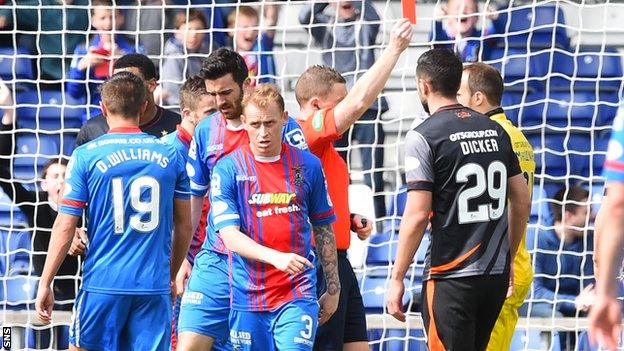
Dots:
(484, 212)
(150, 207)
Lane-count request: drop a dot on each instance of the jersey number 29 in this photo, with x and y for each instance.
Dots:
(498, 194)
(150, 206)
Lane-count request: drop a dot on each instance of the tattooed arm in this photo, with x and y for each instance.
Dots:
(326, 250)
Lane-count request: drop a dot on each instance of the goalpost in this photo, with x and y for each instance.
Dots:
(563, 77)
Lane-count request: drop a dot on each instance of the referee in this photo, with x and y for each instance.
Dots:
(461, 167)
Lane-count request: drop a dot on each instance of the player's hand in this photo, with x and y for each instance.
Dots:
(585, 299)
(290, 263)
(361, 226)
(78, 245)
(510, 289)
(401, 35)
(327, 306)
(182, 277)
(604, 322)
(394, 300)
(44, 303)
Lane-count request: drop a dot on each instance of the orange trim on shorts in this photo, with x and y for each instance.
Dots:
(433, 340)
(454, 263)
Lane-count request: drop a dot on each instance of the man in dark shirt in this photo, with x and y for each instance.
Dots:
(156, 121)
(461, 167)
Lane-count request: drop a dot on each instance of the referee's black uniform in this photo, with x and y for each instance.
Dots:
(464, 159)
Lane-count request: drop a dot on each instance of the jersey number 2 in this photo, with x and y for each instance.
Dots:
(498, 194)
(150, 206)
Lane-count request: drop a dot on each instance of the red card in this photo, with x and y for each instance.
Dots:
(409, 10)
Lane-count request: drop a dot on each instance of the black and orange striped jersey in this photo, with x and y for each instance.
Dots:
(465, 159)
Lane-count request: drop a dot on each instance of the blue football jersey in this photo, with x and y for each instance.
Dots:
(276, 204)
(180, 140)
(128, 181)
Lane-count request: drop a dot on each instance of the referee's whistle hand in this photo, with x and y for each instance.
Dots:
(394, 301)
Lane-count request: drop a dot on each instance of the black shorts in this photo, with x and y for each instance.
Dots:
(459, 313)
(348, 324)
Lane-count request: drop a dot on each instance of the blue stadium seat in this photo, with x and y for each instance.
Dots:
(526, 340)
(592, 68)
(10, 215)
(564, 109)
(374, 289)
(395, 209)
(23, 65)
(512, 103)
(33, 151)
(382, 252)
(540, 215)
(521, 70)
(21, 291)
(534, 26)
(14, 252)
(48, 109)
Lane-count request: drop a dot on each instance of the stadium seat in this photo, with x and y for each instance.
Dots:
(48, 110)
(564, 109)
(512, 104)
(10, 215)
(382, 252)
(33, 151)
(521, 69)
(20, 293)
(592, 68)
(536, 27)
(395, 209)
(14, 65)
(527, 340)
(374, 289)
(14, 252)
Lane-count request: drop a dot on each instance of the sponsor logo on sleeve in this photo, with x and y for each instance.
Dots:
(317, 120)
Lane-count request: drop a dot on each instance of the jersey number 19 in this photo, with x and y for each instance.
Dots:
(484, 212)
(150, 206)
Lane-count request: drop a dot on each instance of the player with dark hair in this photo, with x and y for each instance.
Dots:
(326, 112)
(267, 199)
(482, 90)
(155, 121)
(136, 192)
(461, 167)
(206, 301)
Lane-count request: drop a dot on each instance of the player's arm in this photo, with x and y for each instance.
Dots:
(182, 234)
(328, 255)
(519, 211)
(368, 87)
(62, 234)
(243, 245)
(413, 225)
(197, 203)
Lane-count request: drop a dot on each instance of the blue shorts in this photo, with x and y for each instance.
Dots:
(118, 322)
(205, 307)
(290, 327)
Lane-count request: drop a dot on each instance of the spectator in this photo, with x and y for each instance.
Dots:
(354, 38)
(156, 121)
(563, 262)
(215, 18)
(256, 50)
(65, 23)
(40, 209)
(95, 59)
(183, 54)
(456, 28)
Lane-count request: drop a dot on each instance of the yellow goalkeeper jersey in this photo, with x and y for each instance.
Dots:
(523, 272)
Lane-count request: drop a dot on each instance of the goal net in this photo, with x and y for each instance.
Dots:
(562, 70)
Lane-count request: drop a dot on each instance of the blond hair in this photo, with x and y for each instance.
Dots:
(263, 95)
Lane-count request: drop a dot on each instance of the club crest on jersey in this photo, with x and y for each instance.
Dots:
(296, 138)
(463, 114)
(271, 198)
(298, 176)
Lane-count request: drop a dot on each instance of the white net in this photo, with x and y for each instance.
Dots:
(563, 74)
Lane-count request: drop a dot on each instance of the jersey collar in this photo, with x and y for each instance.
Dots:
(497, 114)
(125, 130)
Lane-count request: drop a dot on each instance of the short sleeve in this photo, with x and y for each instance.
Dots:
(320, 129)
(197, 166)
(182, 188)
(223, 197)
(75, 191)
(321, 209)
(293, 135)
(614, 164)
(418, 162)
